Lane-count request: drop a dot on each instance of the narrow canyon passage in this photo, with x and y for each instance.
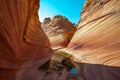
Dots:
(26, 44)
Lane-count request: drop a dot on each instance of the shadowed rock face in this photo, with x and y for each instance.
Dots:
(59, 31)
(22, 41)
(96, 43)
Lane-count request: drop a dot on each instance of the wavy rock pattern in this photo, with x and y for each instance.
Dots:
(23, 43)
(24, 46)
(96, 43)
(59, 31)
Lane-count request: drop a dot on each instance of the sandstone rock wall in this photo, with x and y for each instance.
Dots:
(23, 43)
(21, 36)
(59, 31)
(96, 43)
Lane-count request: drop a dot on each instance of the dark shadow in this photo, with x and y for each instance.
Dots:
(86, 72)
(89, 71)
(96, 72)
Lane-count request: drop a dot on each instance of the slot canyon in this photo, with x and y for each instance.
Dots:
(26, 44)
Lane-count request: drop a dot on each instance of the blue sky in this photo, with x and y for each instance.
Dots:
(68, 8)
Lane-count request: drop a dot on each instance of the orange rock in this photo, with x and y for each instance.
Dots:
(96, 43)
(22, 41)
(59, 31)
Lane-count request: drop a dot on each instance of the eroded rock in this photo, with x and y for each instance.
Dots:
(23, 43)
(59, 31)
(96, 43)
(24, 46)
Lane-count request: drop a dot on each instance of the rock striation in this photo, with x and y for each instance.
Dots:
(23, 43)
(96, 42)
(59, 30)
(24, 46)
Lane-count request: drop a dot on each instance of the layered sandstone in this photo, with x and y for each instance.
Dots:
(24, 46)
(96, 43)
(59, 30)
(23, 43)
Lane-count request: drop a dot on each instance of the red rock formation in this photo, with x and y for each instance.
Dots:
(59, 31)
(96, 43)
(22, 41)
(24, 46)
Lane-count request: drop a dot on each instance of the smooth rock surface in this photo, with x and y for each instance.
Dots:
(96, 43)
(23, 43)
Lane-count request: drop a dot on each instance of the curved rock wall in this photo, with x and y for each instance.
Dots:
(24, 45)
(96, 43)
(22, 40)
